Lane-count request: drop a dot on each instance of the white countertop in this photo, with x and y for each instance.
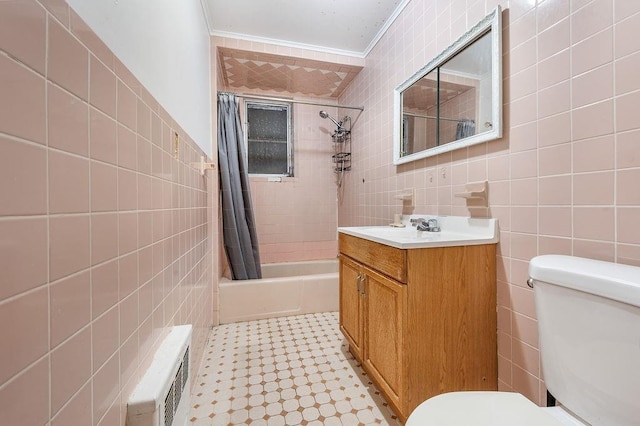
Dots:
(455, 231)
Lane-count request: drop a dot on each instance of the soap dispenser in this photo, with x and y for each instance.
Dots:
(397, 221)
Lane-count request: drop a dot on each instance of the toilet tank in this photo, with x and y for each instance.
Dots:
(589, 329)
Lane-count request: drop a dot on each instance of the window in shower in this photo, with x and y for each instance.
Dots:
(268, 140)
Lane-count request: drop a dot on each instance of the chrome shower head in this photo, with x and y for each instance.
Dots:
(324, 114)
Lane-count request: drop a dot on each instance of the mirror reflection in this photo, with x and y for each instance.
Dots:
(419, 118)
(455, 100)
(445, 105)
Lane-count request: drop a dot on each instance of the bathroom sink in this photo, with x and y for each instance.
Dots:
(454, 231)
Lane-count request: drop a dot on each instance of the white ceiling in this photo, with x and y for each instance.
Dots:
(338, 26)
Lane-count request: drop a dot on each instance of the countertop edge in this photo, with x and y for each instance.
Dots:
(420, 245)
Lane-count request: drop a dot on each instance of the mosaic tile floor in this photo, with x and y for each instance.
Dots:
(284, 371)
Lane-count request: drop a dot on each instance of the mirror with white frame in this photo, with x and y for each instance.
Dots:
(455, 100)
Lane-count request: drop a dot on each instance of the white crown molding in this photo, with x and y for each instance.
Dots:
(207, 14)
(316, 48)
(385, 27)
(286, 43)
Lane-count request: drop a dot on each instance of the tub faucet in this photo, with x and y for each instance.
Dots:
(430, 225)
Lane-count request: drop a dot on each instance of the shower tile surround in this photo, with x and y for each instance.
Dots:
(106, 239)
(284, 371)
(297, 217)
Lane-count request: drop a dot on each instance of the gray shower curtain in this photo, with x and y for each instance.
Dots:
(239, 230)
(465, 128)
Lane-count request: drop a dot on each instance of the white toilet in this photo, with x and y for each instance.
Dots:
(589, 328)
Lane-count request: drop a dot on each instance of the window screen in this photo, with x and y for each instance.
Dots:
(269, 138)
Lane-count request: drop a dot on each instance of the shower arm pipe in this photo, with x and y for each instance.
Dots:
(270, 98)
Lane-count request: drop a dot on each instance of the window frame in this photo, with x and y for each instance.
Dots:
(263, 103)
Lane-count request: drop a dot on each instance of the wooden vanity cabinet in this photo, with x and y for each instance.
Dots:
(368, 297)
(351, 304)
(421, 321)
(384, 316)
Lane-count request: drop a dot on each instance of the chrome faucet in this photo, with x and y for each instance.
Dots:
(416, 221)
(430, 225)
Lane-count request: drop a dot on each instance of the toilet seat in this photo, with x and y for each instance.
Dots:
(480, 409)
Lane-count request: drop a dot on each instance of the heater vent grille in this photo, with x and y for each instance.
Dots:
(174, 395)
(185, 362)
(162, 396)
(169, 408)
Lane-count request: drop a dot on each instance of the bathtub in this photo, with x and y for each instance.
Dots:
(291, 288)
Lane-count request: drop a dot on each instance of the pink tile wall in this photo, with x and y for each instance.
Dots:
(105, 236)
(296, 218)
(564, 177)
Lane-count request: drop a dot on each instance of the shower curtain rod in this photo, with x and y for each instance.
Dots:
(460, 120)
(269, 98)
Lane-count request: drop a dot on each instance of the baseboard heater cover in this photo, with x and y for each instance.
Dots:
(162, 398)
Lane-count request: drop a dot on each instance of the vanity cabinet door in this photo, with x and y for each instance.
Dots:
(351, 309)
(385, 302)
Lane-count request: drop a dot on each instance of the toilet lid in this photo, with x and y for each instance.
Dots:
(480, 409)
